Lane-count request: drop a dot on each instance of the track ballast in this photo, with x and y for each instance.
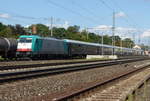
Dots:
(31, 72)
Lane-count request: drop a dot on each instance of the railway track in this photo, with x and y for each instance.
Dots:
(133, 87)
(31, 64)
(88, 90)
(43, 63)
(9, 75)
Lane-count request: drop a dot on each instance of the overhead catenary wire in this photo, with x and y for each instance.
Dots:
(89, 11)
(89, 19)
(14, 17)
(127, 18)
(132, 21)
(104, 3)
(112, 9)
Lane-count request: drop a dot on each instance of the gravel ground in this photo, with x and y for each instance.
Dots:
(121, 89)
(25, 90)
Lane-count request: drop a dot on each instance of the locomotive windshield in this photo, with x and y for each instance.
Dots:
(25, 40)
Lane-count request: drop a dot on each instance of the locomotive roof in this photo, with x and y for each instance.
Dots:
(51, 38)
(29, 36)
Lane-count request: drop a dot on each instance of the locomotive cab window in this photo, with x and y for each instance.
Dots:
(22, 40)
(25, 40)
(28, 40)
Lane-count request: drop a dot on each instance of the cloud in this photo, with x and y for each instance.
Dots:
(109, 28)
(123, 32)
(146, 33)
(120, 14)
(4, 15)
(138, 35)
(103, 27)
(66, 24)
(26, 26)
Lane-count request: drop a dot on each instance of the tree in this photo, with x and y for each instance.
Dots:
(7, 32)
(84, 35)
(2, 26)
(19, 30)
(42, 30)
(117, 40)
(59, 32)
(107, 40)
(128, 43)
(73, 29)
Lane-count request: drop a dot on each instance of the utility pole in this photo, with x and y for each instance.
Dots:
(113, 33)
(121, 47)
(139, 41)
(87, 35)
(102, 42)
(51, 20)
(133, 38)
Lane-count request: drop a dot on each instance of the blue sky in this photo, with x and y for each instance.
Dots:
(85, 13)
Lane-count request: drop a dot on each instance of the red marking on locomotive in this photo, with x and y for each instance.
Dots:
(24, 50)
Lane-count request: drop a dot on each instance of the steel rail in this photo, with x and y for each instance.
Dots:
(85, 91)
(7, 76)
(21, 66)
